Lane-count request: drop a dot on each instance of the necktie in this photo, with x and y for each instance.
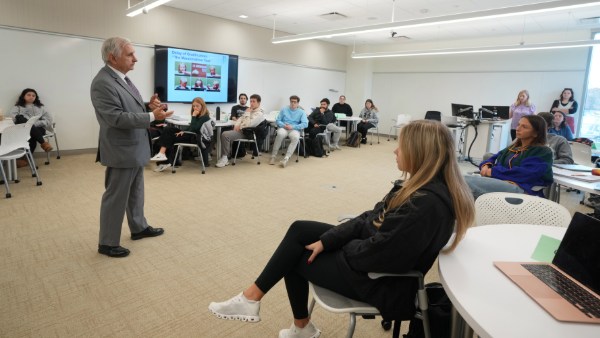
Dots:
(132, 86)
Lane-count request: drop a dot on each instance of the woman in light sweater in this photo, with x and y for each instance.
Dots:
(370, 118)
(521, 107)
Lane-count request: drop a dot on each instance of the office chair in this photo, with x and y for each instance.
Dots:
(511, 208)
(337, 303)
(51, 134)
(433, 115)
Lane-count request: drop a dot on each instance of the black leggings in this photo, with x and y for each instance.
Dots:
(289, 261)
(363, 128)
(36, 136)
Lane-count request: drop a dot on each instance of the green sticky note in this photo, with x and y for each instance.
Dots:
(545, 249)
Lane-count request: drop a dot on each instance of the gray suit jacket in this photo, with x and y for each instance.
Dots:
(123, 139)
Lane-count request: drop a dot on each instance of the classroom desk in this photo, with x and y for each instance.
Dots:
(185, 121)
(487, 300)
(350, 126)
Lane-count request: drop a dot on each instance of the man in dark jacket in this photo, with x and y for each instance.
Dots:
(322, 119)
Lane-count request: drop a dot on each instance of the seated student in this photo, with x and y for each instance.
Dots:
(559, 145)
(369, 119)
(171, 135)
(251, 118)
(239, 109)
(290, 121)
(322, 119)
(525, 166)
(27, 106)
(559, 126)
(405, 231)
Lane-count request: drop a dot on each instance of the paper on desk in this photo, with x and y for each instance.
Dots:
(545, 249)
(576, 175)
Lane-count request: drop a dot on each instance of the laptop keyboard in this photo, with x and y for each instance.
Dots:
(566, 288)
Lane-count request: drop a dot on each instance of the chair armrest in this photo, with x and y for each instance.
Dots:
(411, 273)
(345, 217)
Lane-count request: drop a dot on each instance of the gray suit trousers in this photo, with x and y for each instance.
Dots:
(124, 194)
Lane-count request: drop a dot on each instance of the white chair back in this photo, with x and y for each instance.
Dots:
(582, 153)
(14, 138)
(273, 115)
(509, 208)
(402, 119)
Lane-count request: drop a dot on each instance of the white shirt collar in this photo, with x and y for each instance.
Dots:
(121, 75)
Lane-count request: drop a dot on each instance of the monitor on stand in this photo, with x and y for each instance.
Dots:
(500, 112)
(462, 110)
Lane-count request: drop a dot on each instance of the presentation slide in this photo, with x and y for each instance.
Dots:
(194, 73)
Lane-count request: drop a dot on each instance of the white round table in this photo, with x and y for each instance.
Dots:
(487, 300)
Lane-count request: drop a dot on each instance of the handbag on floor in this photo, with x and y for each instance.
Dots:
(354, 139)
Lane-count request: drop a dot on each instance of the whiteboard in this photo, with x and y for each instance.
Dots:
(416, 93)
(61, 68)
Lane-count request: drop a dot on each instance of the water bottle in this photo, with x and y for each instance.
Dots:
(218, 113)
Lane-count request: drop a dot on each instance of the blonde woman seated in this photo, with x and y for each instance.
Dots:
(171, 135)
(405, 231)
(525, 166)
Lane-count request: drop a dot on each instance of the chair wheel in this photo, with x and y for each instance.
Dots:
(233, 163)
(39, 183)
(203, 172)
(58, 157)
(46, 163)
(17, 181)
(386, 324)
(8, 195)
(173, 171)
(32, 175)
(258, 163)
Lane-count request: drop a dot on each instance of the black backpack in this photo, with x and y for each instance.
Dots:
(315, 147)
(354, 139)
(440, 309)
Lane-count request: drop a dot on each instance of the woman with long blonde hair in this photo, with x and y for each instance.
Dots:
(171, 135)
(405, 231)
(521, 107)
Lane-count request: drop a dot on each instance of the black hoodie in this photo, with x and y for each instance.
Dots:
(409, 238)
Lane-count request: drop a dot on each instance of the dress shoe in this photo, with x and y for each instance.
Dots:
(46, 146)
(22, 163)
(148, 232)
(113, 251)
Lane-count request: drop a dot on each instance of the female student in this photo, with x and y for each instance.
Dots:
(405, 231)
(171, 135)
(28, 105)
(567, 105)
(369, 119)
(559, 126)
(521, 107)
(525, 166)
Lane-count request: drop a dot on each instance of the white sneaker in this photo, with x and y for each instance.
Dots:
(284, 162)
(222, 162)
(272, 160)
(309, 331)
(162, 167)
(159, 157)
(237, 308)
(337, 147)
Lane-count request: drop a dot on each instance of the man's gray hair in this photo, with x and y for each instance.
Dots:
(113, 46)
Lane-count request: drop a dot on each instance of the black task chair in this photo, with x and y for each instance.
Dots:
(433, 115)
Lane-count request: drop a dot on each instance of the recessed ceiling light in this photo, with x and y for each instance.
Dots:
(244, 16)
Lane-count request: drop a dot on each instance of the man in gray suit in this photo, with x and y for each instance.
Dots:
(124, 147)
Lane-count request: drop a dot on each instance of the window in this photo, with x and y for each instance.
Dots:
(590, 109)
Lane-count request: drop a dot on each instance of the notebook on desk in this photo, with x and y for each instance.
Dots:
(574, 167)
(569, 287)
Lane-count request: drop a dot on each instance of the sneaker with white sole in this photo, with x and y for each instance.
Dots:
(237, 308)
(309, 331)
(284, 162)
(337, 147)
(223, 162)
(272, 160)
(159, 157)
(162, 167)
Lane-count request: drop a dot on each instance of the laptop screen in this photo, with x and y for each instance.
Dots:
(579, 252)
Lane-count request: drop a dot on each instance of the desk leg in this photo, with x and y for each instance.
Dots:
(218, 143)
(459, 328)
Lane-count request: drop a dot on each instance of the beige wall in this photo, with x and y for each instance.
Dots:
(166, 26)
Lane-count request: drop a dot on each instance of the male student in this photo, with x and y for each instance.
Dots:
(342, 108)
(239, 109)
(322, 119)
(290, 121)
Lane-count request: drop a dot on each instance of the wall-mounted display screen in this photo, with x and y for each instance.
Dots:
(183, 74)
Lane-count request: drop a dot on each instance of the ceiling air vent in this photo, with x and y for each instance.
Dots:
(333, 16)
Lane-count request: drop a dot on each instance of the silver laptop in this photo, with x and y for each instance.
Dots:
(569, 288)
